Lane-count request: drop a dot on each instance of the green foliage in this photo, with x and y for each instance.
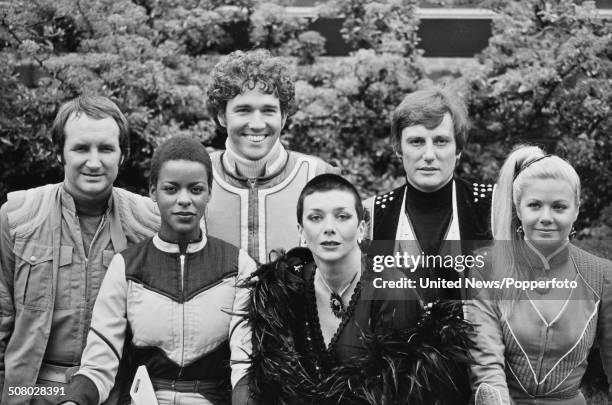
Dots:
(151, 57)
(306, 47)
(345, 105)
(25, 147)
(385, 26)
(271, 26)
(547, 79)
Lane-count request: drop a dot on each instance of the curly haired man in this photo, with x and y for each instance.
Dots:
(256, 180)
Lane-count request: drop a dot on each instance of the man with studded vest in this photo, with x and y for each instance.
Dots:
(256, 180)
(56, 242)
(436, 214)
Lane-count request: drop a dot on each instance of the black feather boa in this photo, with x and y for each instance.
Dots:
(416, 366)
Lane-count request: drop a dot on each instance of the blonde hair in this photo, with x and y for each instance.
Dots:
(523, 165)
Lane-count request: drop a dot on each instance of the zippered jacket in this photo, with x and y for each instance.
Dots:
(179, 312)
(259, 214)
(34, 264)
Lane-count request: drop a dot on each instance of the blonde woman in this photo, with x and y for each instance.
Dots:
(533, 339)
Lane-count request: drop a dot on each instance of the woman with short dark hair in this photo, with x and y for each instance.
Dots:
(327, 329)
(171, 299)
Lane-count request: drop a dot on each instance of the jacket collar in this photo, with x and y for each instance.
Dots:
(170, 247)
(68, 203)
(538, 260)
(268, 166)
(117, 235)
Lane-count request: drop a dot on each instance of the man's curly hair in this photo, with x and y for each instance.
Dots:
(242, 71)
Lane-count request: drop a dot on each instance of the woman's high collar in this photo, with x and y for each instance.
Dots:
(538, 260)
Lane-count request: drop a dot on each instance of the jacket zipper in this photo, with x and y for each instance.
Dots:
(253, 220)
(182, 328)
(100, 226)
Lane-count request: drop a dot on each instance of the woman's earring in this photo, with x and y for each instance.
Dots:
(572, 232)
(519, 230)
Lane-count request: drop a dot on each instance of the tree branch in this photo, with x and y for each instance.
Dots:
(538, 105)
(39, 61)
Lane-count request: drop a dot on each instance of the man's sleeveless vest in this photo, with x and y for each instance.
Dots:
(35, 221)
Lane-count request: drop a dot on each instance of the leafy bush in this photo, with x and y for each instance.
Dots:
(151, 57)
(345, 105)
(546, 79)
(386, 26)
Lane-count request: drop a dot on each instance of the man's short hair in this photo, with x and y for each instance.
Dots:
(180, 148)
(427, 108)
(96, 107)
(329, 182)
(243, 71)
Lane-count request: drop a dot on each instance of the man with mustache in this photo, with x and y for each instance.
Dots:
(56, 242)
(256, 180)
(435, 212)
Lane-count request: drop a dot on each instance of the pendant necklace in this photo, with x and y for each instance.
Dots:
(335, 299)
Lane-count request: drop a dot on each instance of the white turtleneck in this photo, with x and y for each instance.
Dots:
(269, 164)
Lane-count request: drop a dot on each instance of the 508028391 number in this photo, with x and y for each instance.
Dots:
(35, 391)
